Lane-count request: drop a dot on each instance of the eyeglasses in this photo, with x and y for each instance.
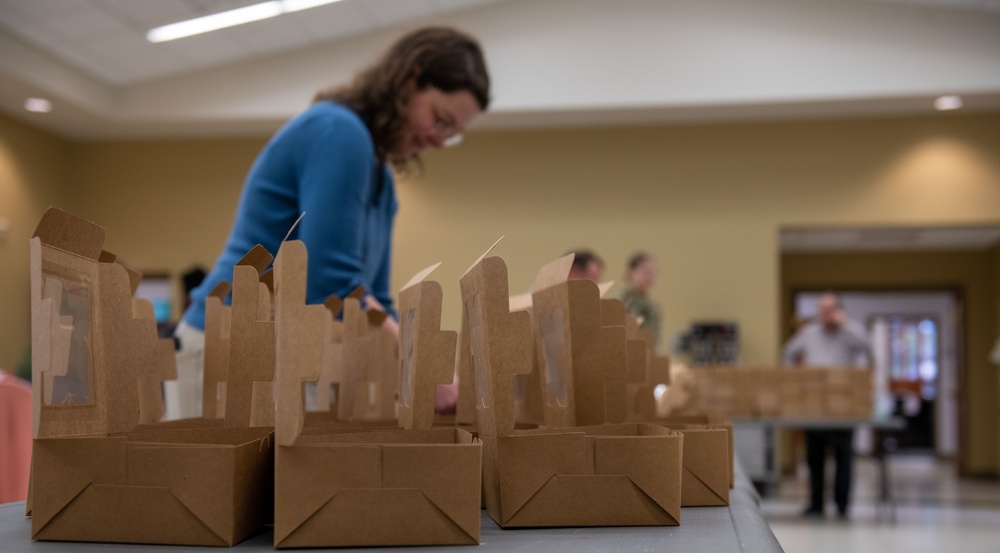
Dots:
(446, 130)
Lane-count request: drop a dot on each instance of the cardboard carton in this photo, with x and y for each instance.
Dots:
(93, 477)
(705, 480)
(345, 487)
(590, 476)
(709, 420)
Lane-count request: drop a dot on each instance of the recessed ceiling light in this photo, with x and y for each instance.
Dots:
(231, 18)
(945, 103)
(38, 105)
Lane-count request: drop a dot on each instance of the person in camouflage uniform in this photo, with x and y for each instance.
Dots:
(640, 277)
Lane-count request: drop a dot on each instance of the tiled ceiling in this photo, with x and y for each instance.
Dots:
(105, 39)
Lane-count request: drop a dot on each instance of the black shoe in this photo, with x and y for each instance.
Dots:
(842, 513)
(813, 512)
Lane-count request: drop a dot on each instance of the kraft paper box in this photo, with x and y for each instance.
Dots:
(705, 480)
(94, 349)
(350, 487)
(713, 420)
(608, 475)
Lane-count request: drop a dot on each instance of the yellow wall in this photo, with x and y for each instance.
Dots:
(34, 174)
(706, 200)
(973, 275)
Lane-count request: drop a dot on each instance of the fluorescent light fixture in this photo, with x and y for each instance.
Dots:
(38, 105)
(231, 18)
(945, 103)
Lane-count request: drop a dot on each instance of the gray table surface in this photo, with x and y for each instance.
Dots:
(737, 528)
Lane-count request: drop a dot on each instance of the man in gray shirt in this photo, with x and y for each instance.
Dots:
(829, 341)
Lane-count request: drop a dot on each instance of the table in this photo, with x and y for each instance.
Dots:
(739, 528)
(884, 427)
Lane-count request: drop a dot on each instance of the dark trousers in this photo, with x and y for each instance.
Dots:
(841, 441)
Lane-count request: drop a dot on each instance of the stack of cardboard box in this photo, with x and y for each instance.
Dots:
(793, 393)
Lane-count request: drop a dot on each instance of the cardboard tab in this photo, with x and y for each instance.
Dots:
(554, 273)
(218, 330)
(579, 353)
(69, 233)
(427, 353)
(249, 400)
(301, 331)
(499, 344)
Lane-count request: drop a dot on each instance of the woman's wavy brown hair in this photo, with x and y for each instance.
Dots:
(444, 58)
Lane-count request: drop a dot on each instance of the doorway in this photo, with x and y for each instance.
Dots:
(915, 338)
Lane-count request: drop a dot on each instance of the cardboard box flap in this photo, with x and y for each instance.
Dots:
(218, 330)
(427, 353)
(580, 354)
(250, 374)
(151, 408)
(69, 233)
(554, 273)
(642, 461)
(604, 287)
(355, 357)
(499, 344)
(391, 482)
(528, 464)
(412, 467)
(301, 333)
(332, 368)
(101, 460)
(520, 302)
(420, 276)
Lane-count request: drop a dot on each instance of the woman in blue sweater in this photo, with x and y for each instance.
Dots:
(333, 162)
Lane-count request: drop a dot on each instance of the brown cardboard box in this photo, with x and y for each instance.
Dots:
(592, 476)
(345, 487)
(705, 480)
(713, 420)
(93, 479)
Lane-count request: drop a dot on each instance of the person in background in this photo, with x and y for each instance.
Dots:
(586, 264)
(832, 341)
(334, 163)
(640, 277)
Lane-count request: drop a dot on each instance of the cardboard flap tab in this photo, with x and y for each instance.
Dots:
(69, 233)
(554, 273)
(420, 276)
(427, 353)
(500, 344)
(300, 333)
(487, 252)
(258, 258)
(221, 291)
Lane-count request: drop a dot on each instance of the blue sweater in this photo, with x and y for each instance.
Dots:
(322, 162)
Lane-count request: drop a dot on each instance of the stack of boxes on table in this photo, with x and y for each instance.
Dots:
(555, 427)
(788, 393)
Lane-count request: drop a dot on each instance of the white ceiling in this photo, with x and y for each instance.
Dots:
(106, 39)
(862, 239)
(553, 62)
